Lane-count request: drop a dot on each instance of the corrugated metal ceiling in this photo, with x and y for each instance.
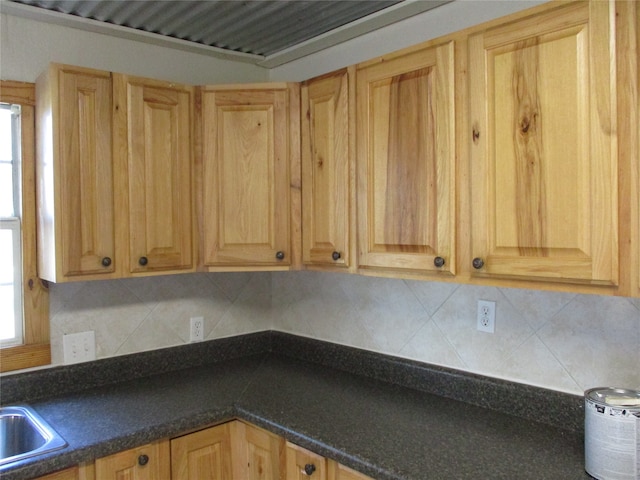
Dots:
(263, 27)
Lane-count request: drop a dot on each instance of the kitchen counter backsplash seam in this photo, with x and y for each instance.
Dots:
(525, 401)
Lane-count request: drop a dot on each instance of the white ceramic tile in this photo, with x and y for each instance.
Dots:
(150, 335)
(251, 311)
(106, 307)
(232, 283)
(431, 294)
(537, 307)
(597, 339)
(481, 352)
(431, 346)
(534, 364)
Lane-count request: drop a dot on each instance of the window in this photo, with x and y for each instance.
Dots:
(24, 299)
(10, 229)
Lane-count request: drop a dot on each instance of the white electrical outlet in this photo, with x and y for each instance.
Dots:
(486, 316)
(79, 347)
(197, 329)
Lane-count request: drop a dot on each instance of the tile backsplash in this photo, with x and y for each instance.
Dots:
(561, 341)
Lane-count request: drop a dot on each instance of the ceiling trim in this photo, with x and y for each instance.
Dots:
(374, 21)
(387, 16)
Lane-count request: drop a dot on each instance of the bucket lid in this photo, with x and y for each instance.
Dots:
(615, 397)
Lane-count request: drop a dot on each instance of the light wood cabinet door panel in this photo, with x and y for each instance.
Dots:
(75, 174)
(149, 462)
(257, 454)
(544, 147)
(302, 464)
(327, 170)
(340, 472)
(246, 200)
(406, 158)
(159, 167)
(203, 455)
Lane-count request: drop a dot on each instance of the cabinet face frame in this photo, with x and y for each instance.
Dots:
(406, 180)
(154, 123)
(248, 208)
(328, 169)
(530, 241)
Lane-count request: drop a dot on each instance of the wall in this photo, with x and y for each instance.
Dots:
(28, 46)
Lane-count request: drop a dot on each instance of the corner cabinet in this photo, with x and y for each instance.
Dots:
(75, 175)
(250, 140)
(543, 136)
(328, 169)
(406, 159)
(153, 121)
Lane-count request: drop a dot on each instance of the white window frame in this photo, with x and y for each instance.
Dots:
(14, 225)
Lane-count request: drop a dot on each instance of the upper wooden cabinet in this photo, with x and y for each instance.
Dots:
(328, 193)
(154, 134)
(114, 175)
(543, 134)
(75, 174)
(406, 159)
(250, 140)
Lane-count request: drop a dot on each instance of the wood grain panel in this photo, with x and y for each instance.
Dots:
(256, 453)
(159, 119)
(298, 458)
(326, 170)
(125, 465)
(75, 174)
(246, 155)
(544, 147)
(202, 455)
(406, 159)
(337, 471)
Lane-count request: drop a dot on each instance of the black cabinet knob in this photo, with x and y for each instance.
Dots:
(309, 468)
(143, 261)
(336, 256)
(280, 255)
(143, 460)
(106, 261)
(438, 262)
(477, 263)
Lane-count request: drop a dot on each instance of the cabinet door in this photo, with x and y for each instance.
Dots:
(75, 174)
(246, 164)
(327, 170)
(543, 146)
(256, 453)
(157, 142)
(81, 472)
(340, 472)
(304, 465)
(406, 155)
(149, 462)
(203, 455)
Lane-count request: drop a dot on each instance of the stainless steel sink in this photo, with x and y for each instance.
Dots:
(24, 434)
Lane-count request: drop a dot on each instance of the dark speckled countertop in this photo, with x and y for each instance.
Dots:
(388, 418)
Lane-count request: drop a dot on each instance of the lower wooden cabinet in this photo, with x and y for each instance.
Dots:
(231, 451)
(303, 464)
(148, 462)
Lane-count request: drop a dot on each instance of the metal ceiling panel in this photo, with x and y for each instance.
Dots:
(260, 27)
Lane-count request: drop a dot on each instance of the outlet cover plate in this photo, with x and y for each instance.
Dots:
(79, 347)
